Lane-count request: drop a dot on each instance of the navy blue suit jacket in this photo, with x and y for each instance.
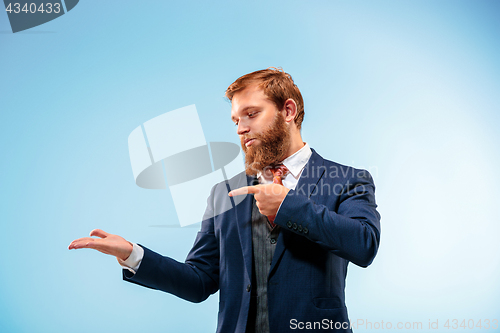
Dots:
(329, 220)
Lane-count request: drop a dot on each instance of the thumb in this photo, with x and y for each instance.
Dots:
(99, 233)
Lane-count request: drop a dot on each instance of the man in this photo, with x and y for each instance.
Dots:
(279, 257)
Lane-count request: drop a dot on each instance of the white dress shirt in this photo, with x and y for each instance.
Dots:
(294, 163)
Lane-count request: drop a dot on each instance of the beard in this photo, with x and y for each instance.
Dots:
(274, 143)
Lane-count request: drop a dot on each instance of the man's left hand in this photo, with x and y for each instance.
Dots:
(267, 197)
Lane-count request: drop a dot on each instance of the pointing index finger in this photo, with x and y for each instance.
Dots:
(244, 190)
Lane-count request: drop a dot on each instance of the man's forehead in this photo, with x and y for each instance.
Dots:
(250, 97)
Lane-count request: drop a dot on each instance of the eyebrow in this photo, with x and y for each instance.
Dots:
(245, 109)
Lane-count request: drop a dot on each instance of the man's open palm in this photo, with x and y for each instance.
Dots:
(107, 243)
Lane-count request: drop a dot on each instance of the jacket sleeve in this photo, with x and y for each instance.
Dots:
(196, 278)
(348, 226)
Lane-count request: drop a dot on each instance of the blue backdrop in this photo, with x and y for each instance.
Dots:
(406, 89)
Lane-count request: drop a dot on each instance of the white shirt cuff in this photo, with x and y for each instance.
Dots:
(134, 260)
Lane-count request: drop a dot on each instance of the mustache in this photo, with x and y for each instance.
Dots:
(253, 136)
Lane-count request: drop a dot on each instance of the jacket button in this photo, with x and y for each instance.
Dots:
(300, 228)
(273, 240)
(306, 231)
(294, 226)
(249, 287)
(289, 224)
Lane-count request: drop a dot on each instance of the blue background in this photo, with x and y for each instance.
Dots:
(406, 89)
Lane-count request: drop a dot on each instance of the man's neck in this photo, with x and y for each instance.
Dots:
(295, 146)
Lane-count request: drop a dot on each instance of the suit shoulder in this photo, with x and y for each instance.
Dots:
(338, 170)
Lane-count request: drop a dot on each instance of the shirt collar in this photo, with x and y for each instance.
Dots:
(295, 162)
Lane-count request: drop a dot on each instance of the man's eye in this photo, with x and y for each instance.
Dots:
(251, 115)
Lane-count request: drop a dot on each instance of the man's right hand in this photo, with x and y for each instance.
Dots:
(107, 243)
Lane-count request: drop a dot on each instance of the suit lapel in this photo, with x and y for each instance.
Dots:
(244, 222)
(308, 180)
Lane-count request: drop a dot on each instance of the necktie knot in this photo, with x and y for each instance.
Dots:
(279, 171)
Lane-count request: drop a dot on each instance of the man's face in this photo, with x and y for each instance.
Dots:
(264, 135)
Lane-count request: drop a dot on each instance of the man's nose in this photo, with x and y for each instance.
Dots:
(242, 128)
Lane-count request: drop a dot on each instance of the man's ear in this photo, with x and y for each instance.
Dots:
(290, 109)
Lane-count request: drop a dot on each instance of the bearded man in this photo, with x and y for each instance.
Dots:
(279, 256)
